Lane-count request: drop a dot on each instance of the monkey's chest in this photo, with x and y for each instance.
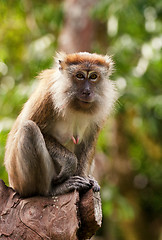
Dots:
(69, 133)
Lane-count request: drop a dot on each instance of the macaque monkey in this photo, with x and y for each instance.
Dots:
(50, 148)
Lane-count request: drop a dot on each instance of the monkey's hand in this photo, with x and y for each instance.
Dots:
(94, 184)
(71, 184)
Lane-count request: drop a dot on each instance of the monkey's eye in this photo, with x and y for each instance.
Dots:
(93, 77)
(80, 76)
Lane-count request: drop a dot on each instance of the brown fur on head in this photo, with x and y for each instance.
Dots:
(84, 58)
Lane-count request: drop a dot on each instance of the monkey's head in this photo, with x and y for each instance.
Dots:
(84, 83)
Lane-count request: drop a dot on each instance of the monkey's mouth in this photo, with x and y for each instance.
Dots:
(85, 103)
(85, 99)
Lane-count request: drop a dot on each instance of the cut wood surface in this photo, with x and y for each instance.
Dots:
(71, 216)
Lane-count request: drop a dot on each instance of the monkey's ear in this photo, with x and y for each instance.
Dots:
(60, 65)
(110, 64)
(60, 60)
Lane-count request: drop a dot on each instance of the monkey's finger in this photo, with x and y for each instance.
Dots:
(96, 188)
(95, 185)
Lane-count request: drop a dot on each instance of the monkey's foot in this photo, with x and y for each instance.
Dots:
(78, 183)
(71, 184)
(94, 184)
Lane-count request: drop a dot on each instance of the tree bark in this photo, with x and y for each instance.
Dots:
(71, 216)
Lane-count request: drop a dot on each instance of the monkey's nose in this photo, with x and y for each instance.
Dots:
(86, 92)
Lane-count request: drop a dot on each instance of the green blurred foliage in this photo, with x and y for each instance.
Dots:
(28, 39)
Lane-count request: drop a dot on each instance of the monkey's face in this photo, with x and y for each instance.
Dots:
(84, 84)
(85, 78)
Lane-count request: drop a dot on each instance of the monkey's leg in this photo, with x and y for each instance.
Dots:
(34, 167)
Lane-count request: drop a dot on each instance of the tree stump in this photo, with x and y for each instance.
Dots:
(72, 216)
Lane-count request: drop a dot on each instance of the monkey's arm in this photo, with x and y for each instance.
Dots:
(85, 154)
